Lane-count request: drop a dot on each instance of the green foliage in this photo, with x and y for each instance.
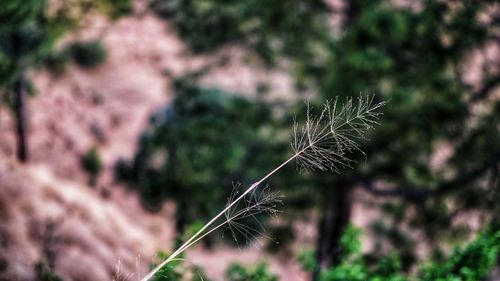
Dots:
(270, 28)
(169, 272)
(45, 273)
(380, 49)
(177, 270)
(57, 62)
(88, 54)
(351, 266)
(411, 57)
(237, 272)
(382, 52)
(119, 8)
(23, 36)
(92, 164)
(17, 13)
(191, 229)
(350, 242)
(7, 70)
(473, 262)
(201, 143)
(28, 32)
(307, 260)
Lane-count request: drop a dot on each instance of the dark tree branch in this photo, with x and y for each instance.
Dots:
(414, 193)
(411, 193)
(20, 112)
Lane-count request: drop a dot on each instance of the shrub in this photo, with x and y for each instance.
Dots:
(266, 27)
(177, 270)
(197, 146)
(56, 62)
(88, 54)
(91, 163)
(237, 272)
(474, 261)
(119, 8)
(45, 273)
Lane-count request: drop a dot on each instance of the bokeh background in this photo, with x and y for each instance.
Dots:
(124, 123)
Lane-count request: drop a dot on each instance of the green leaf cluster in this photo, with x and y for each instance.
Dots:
(474, 261)
(269, 28)
(201, 143)
(87, 54)
(409, 55)
(260, 272)
(92, 164)
(24, 36)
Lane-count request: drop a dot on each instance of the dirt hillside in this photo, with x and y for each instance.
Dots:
(49, 212)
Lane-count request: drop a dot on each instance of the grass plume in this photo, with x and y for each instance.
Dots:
(323, 142)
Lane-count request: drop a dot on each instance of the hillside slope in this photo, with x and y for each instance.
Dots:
(48, 211)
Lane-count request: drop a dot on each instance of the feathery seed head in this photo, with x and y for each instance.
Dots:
(324, 141)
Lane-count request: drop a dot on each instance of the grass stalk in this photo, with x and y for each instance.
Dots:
(321, 143)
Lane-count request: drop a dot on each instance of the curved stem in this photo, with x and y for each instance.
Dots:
(195, 238)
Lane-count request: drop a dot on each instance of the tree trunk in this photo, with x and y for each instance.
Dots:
(21, 117)
(181, 217)
(335, 218)
(338, 200)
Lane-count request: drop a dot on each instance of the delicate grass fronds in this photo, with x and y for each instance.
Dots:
(118, 275)
(323, 142)
(256, 203)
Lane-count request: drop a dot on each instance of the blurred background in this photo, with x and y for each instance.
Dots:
(124, 123)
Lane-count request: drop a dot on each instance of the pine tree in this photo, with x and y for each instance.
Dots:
(415, 56)
(28, 33)
(198, 147)
(22, 39)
